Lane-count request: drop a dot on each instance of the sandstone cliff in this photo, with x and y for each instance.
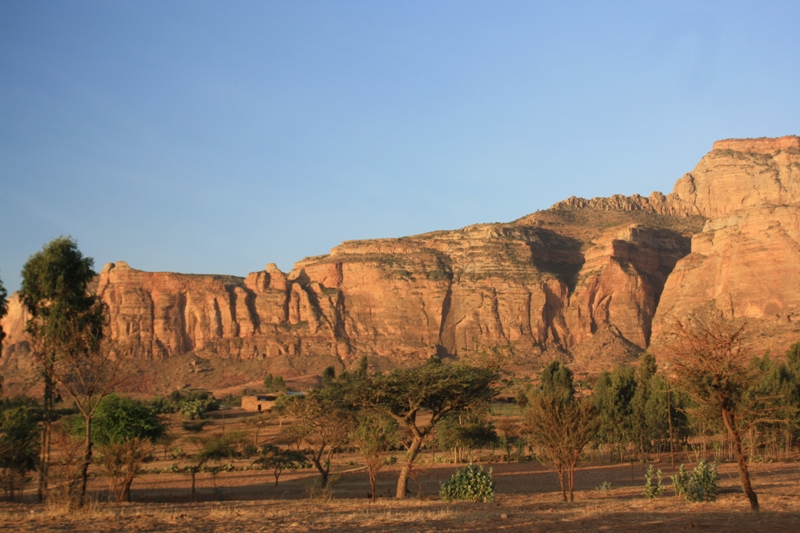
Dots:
(591, 281)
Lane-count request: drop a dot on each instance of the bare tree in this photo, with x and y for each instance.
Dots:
(88, 370)
(561, 428)
(322, 425)
(711, 366)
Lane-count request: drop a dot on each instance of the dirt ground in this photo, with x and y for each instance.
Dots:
(528, 499)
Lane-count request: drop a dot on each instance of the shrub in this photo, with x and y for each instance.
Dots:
(652, 483)
(700, 485)
(605, 486)
(470, 483)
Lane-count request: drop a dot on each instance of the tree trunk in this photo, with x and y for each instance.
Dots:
(741, 459)
(323, 471)
(402, 481)
(571, 479)
(194, 473)
(560, 472)
(126, 490)
(44, 462)
(87, 460)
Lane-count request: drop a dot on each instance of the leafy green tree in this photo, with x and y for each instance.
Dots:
(279, 459)
(19, 446)
(124, 430)
(613, 398)
(462, 432)
(66, 326)
(560, 425)
(328, 375)
(274, 383)
(433, 388)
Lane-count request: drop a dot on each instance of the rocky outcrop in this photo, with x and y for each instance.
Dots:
(591, 281)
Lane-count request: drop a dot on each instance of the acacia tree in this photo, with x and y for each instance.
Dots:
(559, 424)
(712, 367)
(434, 388)
(323, 423)
(374, 435)
(66, 327)
(278, 459)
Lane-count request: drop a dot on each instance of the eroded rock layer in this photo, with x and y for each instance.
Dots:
(592, 281)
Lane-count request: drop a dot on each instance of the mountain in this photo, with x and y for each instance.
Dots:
(593, 282)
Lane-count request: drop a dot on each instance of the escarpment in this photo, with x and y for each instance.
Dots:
(593, 281)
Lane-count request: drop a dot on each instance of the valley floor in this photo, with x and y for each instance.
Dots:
(527, 500)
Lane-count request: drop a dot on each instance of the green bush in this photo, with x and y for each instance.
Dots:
(652, 483)
(470, 483)
(700, 485)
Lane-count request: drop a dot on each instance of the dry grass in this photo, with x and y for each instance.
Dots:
(526, 497)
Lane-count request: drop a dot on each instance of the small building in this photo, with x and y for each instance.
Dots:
(265, 402)
(262, 402)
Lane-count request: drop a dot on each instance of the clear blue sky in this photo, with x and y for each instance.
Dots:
(215, 137)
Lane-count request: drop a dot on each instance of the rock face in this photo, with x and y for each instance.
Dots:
(591, 281)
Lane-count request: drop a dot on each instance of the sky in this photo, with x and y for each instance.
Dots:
(217, 137)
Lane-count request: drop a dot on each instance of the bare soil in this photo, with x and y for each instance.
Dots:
(528, 499)
(527, 495)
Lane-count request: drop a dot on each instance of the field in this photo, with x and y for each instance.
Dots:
(528, 499)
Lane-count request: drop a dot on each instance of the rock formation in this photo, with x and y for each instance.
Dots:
(591, 281)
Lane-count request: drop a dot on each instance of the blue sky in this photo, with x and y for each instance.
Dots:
(216, 137)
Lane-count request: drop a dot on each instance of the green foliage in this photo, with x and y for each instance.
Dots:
(274, 383)
(278, 459)
(192, 404)
(193, 409)
(54, 291)
(605, 486)
(470, 483)
(613, 398)
(119, 418)
(328, 375)
(700, 485)
(652, 483)
(465, 431)
(19, 441)
(557, 380)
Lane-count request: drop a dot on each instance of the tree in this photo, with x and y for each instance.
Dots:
(561, 426)
(3, 309)
(125, 430)
(713, 368)
(374, 435)
(433, 387)
(19, 446)
(463, 432)
(213, 448)
(274, 383)
(278, 459)
(66, 327)
(613, 398)
(323, 423)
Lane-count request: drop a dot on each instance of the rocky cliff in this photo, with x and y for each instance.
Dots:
(591, 281)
